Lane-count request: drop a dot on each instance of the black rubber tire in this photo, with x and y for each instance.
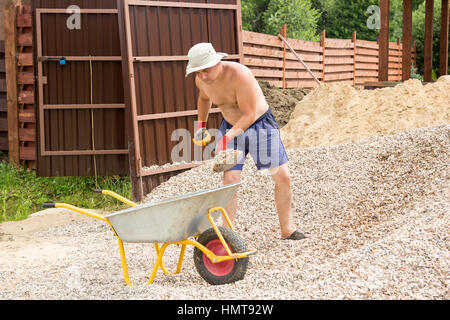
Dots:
(236, 244)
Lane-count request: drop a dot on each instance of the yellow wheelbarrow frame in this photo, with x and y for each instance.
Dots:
(160, 250)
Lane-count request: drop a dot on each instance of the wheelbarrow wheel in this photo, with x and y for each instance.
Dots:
(221, 272)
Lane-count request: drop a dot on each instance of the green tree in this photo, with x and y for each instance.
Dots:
(298, 15)
(344, 17)
(252, 14)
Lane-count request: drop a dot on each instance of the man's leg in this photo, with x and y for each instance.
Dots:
(229, 177)
(283, 198)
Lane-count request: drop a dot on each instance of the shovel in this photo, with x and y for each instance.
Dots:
(225, 160)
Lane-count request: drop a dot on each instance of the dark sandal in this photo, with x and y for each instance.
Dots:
(296, 235)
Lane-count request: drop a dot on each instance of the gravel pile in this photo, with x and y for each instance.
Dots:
(376, 210)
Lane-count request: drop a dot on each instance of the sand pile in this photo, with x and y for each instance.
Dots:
(337, 113)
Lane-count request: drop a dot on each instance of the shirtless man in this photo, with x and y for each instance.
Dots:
(233, 88)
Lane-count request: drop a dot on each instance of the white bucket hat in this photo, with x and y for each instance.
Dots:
(202, 56)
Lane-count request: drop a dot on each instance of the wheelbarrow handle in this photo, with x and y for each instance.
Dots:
(48, 205)
(117, 196)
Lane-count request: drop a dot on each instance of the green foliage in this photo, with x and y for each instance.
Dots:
(414, 74)
(22, 193)
(418, 32)
(298, 15)
(344, 17)
(268, 16)
(252, 14)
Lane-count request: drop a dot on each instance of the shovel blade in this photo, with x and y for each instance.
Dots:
(227, 160)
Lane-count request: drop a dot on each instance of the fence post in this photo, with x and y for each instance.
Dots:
(283, 33)
(400, 55)
(11, 80)
(322, 44)
(354, 58)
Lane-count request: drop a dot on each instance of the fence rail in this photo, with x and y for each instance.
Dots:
(331, 60)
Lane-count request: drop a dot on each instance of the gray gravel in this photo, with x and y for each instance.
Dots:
(376, 210)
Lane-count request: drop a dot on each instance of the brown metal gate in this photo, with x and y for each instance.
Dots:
(155, 39)
(81, 117)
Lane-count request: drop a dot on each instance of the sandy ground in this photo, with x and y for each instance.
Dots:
(377, 214)
(19, 240)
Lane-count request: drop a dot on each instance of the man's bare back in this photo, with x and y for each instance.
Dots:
(223, 91)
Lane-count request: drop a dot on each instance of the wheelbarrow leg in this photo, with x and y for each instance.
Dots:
(157, 263)
(124, 262)
(180, 259)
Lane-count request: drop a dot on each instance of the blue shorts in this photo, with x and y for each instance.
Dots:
(262, 140)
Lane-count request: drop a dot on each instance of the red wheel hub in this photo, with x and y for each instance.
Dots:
(219, 269)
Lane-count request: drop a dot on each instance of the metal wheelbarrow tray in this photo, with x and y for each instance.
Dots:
(220, 254)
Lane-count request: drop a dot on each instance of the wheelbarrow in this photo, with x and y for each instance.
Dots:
(220, 254)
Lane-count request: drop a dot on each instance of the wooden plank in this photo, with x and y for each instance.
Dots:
(3, 105)
(25, 59)
(366, 73)
(24, 20)
(273, 41)
(26, 97)
(2, 85)
(367, 52)
(395, 72)
(4, 143)
(275, 53)
(27, 134)
(269, 63)
(302, 75)
(25, 39)
(27, 153)
(383, 40)
(395, 59)
(25, 77)
(338, 60)
(2, 46)
(366, 59)
(3, 124)
(395, 66)
(443, 62)
(338, 76)
(428, 43)
(366, 66)
(340, 68)
(263, 73)
(339, 52)
(363, 80)
(367, 44)
(2, 65)
(27, 115)
(338, 43)
(301, 83)
(303, 45)
(11, 69)
(261, 39)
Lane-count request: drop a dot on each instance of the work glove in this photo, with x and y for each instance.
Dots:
(201, 135)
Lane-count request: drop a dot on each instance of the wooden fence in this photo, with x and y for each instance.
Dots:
(331, 60)
(19, 104)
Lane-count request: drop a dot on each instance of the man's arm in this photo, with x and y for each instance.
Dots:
(204, 104)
